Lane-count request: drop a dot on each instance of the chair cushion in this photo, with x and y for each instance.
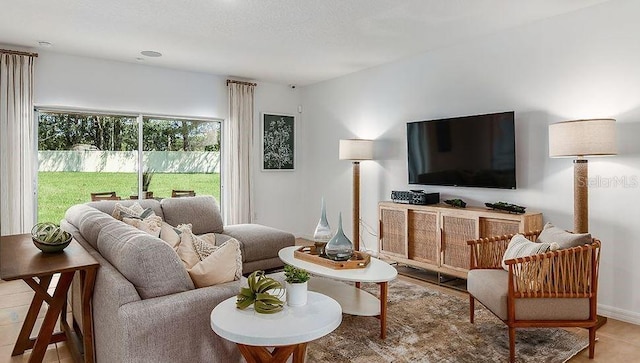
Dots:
(490, 287)
(201, 212)
(520, 246)
(564, 239)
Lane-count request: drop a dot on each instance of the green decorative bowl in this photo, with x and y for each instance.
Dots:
(50, 248)
(49, 238)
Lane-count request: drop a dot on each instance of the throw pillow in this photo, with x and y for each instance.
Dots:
(519, 246)
(170, 235)
(224, 264)
(134, 211)
(564, 239)
(152, 224)
(186, 251)
(206, 263)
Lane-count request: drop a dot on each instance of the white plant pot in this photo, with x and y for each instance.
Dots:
(296, 294)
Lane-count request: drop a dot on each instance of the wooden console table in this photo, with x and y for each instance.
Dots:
(20, 259)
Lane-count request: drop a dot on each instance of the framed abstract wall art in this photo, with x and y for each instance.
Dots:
(278, 142)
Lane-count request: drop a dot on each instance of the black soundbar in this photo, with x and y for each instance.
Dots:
(415, 197)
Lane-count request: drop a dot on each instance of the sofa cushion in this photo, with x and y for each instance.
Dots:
(490, 287)
(150, 264)
(202, 212)
(88, 221)
(259, 242)
(564, 239)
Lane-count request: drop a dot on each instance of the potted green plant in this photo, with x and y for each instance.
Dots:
(296, 285)
(257, 293)
(146, 181)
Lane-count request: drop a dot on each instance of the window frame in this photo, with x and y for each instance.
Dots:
(38, 109)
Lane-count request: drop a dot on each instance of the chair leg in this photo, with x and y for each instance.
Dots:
(592, 342)
(512, 345)
(472, 310)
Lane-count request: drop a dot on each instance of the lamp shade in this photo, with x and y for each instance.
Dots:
(582, 138)
(356, 149)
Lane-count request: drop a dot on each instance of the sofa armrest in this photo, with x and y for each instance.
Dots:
(176, 328)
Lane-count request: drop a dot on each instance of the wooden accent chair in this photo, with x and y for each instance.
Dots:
(182, 193)
(104, 196)
(553, 289)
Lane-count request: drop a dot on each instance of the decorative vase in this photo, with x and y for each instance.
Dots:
(339, 247)
(296, 293)
(322, 235)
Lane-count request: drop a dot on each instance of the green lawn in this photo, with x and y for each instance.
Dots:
(57, 191)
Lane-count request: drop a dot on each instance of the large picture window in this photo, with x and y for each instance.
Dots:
(83, 154)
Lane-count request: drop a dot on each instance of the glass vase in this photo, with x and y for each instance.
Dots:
(322, 234)
(339, 247)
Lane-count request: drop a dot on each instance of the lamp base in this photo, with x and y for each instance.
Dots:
(356, 206)
(580, 196)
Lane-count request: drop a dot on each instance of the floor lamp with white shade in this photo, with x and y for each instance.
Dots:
(356, 150)
(580, 139)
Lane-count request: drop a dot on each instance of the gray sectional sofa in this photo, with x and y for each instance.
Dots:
(145, 306)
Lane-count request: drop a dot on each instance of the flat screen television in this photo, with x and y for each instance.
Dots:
(469, 151)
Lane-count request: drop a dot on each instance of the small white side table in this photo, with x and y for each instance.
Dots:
(288, 331)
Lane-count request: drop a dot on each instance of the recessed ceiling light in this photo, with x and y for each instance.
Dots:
(44, 44)
(140, 59)
(151, 53)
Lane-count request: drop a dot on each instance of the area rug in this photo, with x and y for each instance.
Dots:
(425, 325)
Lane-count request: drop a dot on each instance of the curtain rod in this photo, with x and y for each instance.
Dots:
(17, 52)
(241, 82)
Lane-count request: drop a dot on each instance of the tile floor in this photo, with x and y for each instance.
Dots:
(618, 341)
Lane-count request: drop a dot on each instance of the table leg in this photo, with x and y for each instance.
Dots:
(87, 278)
(384, 289)
(53, 312)
(254, 354)
(300, 353)
(23, 342)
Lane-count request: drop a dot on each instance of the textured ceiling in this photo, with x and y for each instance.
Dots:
(283, 41)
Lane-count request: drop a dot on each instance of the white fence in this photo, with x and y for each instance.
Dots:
(127, 161)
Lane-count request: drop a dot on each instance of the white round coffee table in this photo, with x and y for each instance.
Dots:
(353, 300)
(288, 331)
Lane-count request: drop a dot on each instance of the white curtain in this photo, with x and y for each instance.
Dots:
(17, 144)
(238, 148)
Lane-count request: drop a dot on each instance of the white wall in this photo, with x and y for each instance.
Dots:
(277, 194)
(70, 81)
(580, 65)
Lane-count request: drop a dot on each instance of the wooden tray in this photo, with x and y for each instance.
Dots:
(310, 254)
